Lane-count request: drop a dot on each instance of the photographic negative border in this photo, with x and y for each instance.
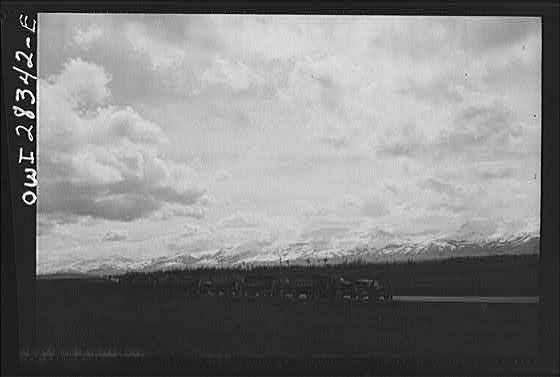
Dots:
(19, 78)
(19, 220)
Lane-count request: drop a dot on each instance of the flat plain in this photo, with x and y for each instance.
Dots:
(89, 316)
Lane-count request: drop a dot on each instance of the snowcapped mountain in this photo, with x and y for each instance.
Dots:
(373, 247)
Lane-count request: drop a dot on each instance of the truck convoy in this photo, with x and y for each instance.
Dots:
(302, 286)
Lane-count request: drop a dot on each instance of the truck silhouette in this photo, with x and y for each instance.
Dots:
(304, 286)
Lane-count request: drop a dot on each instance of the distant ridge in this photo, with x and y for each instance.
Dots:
(369, 250)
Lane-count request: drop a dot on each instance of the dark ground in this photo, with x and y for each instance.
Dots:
(82, 317)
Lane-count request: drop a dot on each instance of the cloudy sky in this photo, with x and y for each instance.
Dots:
(164, 134)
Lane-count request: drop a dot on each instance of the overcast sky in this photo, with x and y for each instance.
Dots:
(163, 134)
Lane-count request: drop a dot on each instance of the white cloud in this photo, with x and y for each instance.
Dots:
(103, 161)
(162, 55)
(83, 84)
(86, 37)
(236, 74)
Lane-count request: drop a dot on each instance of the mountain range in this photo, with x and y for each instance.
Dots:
(379, 246)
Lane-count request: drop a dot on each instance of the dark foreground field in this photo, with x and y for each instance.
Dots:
(87, 317)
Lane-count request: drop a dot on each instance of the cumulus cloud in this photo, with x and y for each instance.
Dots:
(102, 160)
(82, 84)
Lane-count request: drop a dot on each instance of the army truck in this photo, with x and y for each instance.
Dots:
(189, 286)
(345, 289)
(282, 287)
(373, 290)
(206, 287)
(226, 285)
(258, 285)
(301, 287)
(324, 286)
(139, 280)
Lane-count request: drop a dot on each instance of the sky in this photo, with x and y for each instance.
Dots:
(168, 134)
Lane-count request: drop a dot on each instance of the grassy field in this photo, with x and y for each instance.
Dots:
(81, 316)
(505, 275)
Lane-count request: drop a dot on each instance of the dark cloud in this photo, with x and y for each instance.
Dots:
(492, 33)
(192, 246)
(178, 29)
(337, 142)
(392, 188)
(44, 225)
(324, 233)
(424, 38)
(63, 198)
(401, 149)
(477, 125)
(113, 202)
(407, 140)
(436, 92)
(46, 222)
(171, 195)
(114, 236)
(451, 207)
(176, 247)
(481, 132)
(226, 113)
(496, 173)
(189, 232)
(239, 221)
(193, 211)
(415, 39)
(171, 28)
(325, 81)
(127, 66)
(117, 53)
(474, 229)
(375, 208)
(438, 187)
(483, 129)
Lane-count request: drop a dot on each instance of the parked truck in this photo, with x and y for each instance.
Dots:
(373, 290)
